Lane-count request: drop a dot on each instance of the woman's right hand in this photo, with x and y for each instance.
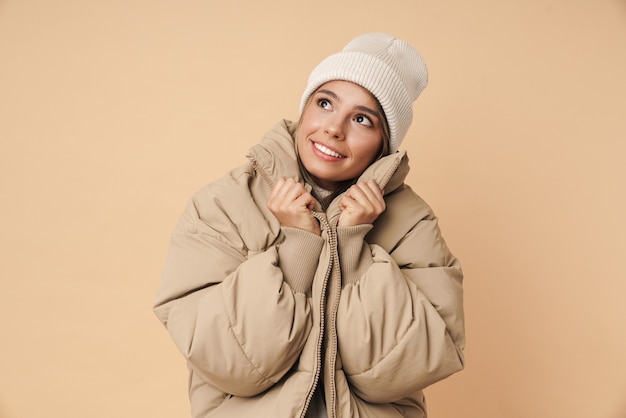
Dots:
(292, 204)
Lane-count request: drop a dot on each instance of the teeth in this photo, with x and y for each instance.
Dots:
(326, 151)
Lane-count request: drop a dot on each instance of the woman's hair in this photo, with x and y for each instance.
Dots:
(385, 130)
(345, 185)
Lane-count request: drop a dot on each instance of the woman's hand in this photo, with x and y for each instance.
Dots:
(362, 204)
(292, 204)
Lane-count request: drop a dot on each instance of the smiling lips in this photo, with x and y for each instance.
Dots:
(321, 148)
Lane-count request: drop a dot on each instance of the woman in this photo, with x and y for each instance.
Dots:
(312, 281)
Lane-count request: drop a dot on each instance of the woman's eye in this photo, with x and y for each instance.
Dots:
(363, 120)
(323, 103)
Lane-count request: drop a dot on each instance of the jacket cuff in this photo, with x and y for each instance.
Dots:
(298, 257)
(355, 256)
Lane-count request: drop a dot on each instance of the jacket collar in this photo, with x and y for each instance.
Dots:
(275, 154)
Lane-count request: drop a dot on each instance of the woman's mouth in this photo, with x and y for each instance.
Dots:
(326, 151)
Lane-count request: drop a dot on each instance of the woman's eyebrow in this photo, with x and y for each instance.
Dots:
(330, 93)
(366, 109)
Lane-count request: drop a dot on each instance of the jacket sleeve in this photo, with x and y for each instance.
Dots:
(220, 302)
(400, 320)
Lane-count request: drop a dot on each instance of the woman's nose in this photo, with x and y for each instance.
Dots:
(333, 128)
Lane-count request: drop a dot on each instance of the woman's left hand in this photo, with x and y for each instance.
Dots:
(361, 204)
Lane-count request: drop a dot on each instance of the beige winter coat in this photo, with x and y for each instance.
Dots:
(264, 314)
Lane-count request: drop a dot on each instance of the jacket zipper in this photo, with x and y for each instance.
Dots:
(320, 338)
(333, 316)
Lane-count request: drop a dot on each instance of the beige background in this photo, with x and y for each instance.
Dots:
(112, 113)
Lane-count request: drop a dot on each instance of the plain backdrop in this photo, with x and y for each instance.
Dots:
(112, 113)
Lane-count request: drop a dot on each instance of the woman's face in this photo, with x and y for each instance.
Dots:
(340, 133)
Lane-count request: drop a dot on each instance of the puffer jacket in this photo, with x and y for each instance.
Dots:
(265, 315)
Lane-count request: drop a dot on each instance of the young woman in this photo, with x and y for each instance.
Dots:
(312, 281)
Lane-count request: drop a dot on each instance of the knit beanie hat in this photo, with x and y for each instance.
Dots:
(389, 68)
